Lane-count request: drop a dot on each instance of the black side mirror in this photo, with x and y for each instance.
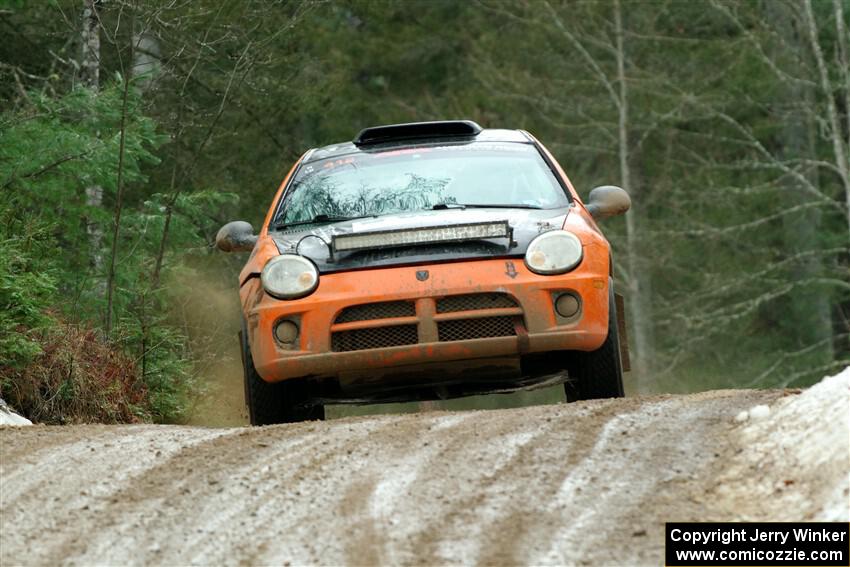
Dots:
(236, 236)
(608, 201)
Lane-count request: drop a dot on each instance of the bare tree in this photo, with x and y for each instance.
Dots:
(127, 74)
(808, 311)
(786, 152)
(840, 146)
(636, 276)
(639, 296)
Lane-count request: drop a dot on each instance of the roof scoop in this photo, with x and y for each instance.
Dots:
(417, 131)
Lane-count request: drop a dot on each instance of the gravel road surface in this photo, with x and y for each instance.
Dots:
(584, 483)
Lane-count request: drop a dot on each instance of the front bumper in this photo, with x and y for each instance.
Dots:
(537, 326)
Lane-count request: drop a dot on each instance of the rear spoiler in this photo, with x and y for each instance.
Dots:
(416, 131)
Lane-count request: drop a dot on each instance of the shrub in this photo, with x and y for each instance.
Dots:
(26, 288)
(52, 150)
(79, 377)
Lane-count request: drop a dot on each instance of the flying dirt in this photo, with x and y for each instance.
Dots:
(585, 483)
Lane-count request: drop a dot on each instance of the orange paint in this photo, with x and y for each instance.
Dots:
(313, 355)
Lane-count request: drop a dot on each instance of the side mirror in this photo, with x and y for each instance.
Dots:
(236, 236)
(608, 201)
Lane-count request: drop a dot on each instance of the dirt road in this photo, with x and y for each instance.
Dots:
(584, 483)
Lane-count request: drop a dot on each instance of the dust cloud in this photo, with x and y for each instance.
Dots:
(208, 310)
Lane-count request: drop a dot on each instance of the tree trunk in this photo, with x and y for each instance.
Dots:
(639, 300)
(90, 59)
(145, 59)
(126, 75)
(116, 219)
(90, 78)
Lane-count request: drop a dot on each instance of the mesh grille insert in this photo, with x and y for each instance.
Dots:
(372, 311)
(377, 337)
(485, 327)
(474, 302)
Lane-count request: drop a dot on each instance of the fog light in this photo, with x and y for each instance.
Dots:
(567, 305)
(286, 332)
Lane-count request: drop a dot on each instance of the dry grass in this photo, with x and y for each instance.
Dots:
(79, 378)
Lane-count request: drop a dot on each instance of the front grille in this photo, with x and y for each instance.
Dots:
(372, 311)
(485, 327)
(377, 337)
(474, 302)
(380, 332)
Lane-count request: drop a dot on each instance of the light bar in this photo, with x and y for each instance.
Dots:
(417, 236)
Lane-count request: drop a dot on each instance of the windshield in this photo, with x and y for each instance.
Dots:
(411, 179)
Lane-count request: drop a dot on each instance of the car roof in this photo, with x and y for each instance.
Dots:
(348, 148)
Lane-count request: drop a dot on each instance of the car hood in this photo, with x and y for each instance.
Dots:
(314, 242)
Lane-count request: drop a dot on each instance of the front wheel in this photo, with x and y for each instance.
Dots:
(270, 403)
(598, 373)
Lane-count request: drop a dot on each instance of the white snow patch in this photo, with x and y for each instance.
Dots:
(759, 412)
(806, 441)
(755, 413)
(446, 421)
(9, 417)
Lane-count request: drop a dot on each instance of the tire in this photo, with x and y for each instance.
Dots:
(598, 373)
(271, 403)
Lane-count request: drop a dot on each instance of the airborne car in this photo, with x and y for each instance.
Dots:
(424, 261)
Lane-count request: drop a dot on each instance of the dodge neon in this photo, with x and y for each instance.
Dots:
(426, 261)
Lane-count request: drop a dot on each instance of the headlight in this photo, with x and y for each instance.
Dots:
(289, 277)
(554, 252)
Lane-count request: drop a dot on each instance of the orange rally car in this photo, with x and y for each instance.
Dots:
(426, 261)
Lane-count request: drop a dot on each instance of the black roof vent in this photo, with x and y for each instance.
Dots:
(416, 131)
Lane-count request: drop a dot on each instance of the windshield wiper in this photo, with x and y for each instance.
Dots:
(319, 219)
(441, 206)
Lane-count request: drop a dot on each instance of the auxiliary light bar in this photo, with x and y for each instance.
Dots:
(418, 236)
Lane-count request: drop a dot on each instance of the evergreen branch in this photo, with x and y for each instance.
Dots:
(44, 169)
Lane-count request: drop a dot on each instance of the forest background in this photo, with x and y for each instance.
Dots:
(131, 130)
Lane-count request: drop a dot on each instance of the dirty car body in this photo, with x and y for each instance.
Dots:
(423, 261)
